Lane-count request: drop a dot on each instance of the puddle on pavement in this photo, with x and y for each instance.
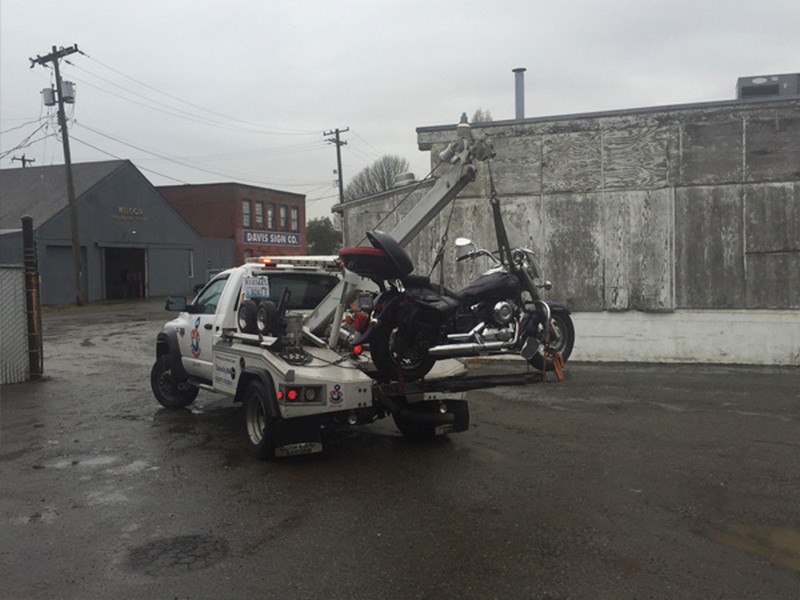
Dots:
(778, 545)
(175, 555)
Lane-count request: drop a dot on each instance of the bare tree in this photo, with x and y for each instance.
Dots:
(481, 116)
(375, 178)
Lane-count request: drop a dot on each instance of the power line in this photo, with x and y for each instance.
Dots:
(168, 110)
(120, 158)
(377, 152)
(189, 165)
(277, 130)
(27, 142)
(31, 122)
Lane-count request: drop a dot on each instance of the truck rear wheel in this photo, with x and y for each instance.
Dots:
(414, 430)
(259, 426)
(168, 390)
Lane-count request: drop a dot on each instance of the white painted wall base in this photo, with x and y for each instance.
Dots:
(763, 337)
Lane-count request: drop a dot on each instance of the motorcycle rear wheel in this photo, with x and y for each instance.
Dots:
(562, 340)
(395, 361)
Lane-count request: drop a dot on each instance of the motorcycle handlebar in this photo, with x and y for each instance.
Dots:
(475, 254)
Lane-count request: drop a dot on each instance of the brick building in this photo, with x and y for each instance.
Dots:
(260, 221)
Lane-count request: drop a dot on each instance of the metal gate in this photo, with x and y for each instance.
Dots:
(14, 363)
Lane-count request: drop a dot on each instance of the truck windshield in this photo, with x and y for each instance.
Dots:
(207, 300)
(308, 289)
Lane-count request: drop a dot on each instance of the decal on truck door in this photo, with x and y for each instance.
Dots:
(196, 338)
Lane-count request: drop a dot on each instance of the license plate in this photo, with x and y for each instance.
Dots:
(298, 449)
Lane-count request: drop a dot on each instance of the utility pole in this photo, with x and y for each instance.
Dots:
(24, 160)
(339, 143)
(54, 57)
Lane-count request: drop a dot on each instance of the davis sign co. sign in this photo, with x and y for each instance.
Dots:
(271, 238)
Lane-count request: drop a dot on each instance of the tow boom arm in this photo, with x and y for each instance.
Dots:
(462, 155)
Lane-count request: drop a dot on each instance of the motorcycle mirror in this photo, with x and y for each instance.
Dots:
(548, 285)
(462, 241)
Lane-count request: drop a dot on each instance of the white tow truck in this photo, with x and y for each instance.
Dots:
(244, 336)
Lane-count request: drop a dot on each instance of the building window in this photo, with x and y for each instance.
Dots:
(282, 217)
(270, 216)
(191, 264)
(295, 219)
(245, 213)
(260, 215)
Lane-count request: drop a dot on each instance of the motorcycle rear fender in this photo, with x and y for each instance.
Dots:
(389, 303)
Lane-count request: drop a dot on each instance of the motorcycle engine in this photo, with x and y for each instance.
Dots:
(502, 313)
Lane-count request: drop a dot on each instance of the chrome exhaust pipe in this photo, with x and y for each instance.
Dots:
(454, 350)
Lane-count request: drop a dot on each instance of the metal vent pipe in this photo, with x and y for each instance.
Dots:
(519, 92)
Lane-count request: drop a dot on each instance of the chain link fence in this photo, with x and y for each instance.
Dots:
(14, 360)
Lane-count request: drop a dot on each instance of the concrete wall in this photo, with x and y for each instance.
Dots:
(659, 210)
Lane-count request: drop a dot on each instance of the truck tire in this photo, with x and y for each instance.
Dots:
(414, 430)
(259, 426)
(267, 319)
(247, 316)
(168, 390)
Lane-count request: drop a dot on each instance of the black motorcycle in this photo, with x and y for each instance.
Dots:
(415, 322)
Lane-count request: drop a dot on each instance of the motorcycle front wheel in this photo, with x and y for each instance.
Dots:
(396, 359)
(562, 339)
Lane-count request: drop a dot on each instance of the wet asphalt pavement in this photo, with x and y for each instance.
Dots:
(621, 482)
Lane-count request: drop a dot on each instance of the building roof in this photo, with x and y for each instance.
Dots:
(722, 105)
(41, 192)
(225, 186)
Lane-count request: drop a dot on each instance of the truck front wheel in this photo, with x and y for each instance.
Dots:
(259, 426)
(168, 390)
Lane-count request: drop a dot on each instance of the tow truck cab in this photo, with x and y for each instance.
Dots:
(192, 335)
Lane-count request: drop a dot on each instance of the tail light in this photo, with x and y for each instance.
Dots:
(312, 394)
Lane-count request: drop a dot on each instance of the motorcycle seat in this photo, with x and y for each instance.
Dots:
(417, 281)
(424, 293)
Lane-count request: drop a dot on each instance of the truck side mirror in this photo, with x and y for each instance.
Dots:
(176, 303)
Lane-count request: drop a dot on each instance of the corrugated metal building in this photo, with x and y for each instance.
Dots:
(133, 244)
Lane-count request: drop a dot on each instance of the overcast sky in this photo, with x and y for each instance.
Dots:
(200, 91)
